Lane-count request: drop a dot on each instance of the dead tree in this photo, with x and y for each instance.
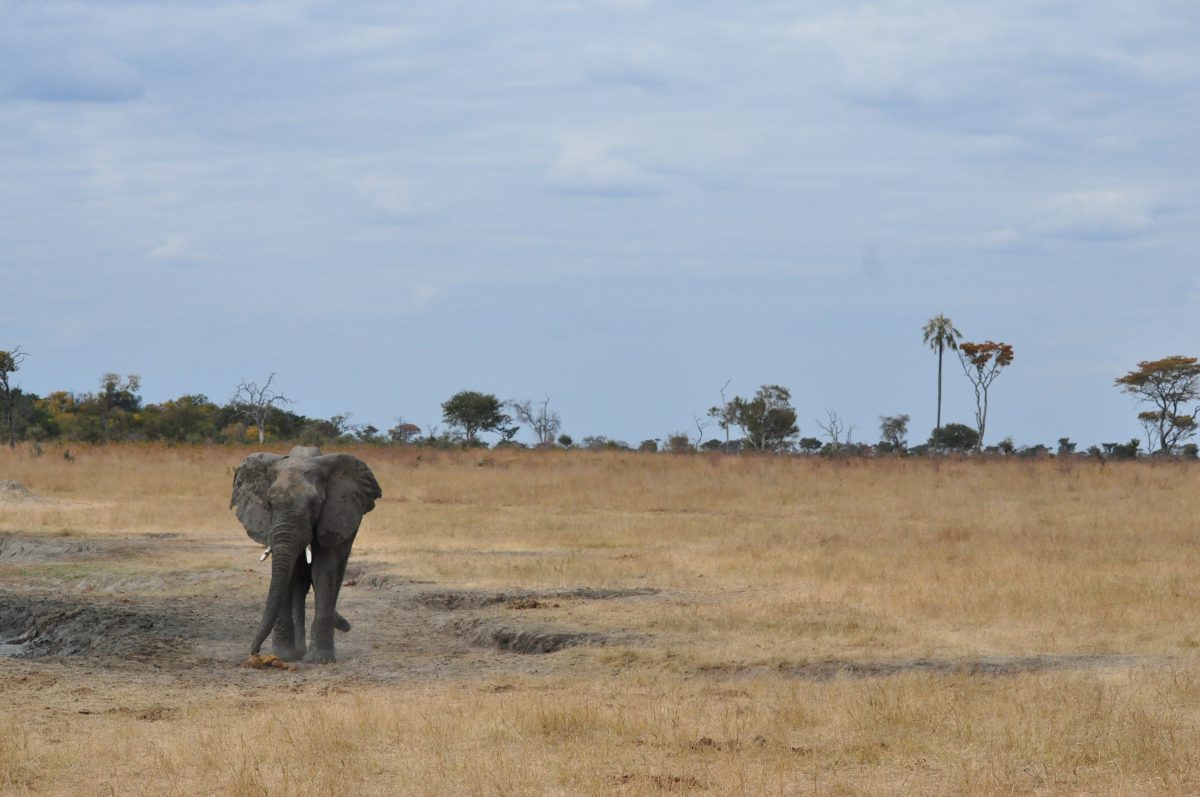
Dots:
(726, 414)
(701, 425)
(544, 422)
(10, 363)
(834, 428)
(256, 404)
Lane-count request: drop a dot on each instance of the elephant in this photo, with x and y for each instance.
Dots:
(306, 507)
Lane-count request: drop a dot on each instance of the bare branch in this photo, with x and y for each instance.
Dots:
(257, 403)
(834, 428)
(541, 419)
(701, 425)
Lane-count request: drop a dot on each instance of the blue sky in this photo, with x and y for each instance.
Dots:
(619, 205)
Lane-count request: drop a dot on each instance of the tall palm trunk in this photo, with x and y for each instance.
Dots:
(937, 430)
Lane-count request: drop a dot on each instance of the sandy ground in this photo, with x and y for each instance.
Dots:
(118, 607)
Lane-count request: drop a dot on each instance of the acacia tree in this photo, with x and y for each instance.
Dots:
(893, 429)
(957, 437)
(982, 363)
(544, 422)
(256, 404)
(404, 432)
(1169, 385)
(940, 334)
(474, 412)
(10, 363)
(768, 420)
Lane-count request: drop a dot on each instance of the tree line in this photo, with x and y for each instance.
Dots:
(766, 421)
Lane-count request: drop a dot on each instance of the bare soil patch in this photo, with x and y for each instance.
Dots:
(38, 627)
(19, 549)
(13, 492)
(459, 599)
(124, 618)
(530, 638)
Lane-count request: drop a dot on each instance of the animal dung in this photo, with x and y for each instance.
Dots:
(266, 661)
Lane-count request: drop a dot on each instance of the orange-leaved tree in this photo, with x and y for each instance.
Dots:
(982, 363)
(1169, 385)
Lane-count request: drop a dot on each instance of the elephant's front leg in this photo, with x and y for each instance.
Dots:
(325, 569)
(301, 581)
(288, 637)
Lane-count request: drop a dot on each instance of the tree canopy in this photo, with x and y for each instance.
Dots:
(956, 437)
(473, 412)
(1169, 385)
(982, 363)
(767, 419)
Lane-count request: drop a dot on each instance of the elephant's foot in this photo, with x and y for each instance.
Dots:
(340, 623)
(293, 653)
(320, 656)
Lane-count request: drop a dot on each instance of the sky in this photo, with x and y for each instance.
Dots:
(621, 205)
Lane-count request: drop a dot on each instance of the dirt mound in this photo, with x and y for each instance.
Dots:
(32, 628)
(448, 600)
(39, 549)
(463, 599)
(523, 639)
(13, 492)
(377, 581)
(599, 594)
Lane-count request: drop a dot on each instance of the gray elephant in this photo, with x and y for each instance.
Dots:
(303, 506)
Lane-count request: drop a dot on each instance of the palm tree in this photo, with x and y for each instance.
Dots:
(940, 335)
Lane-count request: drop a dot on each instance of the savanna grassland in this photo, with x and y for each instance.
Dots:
(721, 625)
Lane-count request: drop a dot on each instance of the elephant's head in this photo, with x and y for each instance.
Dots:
(300, 500)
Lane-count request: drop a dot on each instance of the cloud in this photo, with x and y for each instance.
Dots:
(176, 249)
(1008, 240)
(980, 67)
(883, 55)
(630, 75)
(389, 196)
(82, 75)
(1095, 215)
(590, 167)
(421, 294)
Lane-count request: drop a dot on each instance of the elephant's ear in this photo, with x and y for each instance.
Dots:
(350, 493)
(251, 482)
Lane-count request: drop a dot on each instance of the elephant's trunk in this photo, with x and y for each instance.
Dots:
(284, 549)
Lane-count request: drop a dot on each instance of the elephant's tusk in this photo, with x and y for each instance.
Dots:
(266, 552)
(308, 554)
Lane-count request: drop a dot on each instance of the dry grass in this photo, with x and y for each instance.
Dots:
(765, 564)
